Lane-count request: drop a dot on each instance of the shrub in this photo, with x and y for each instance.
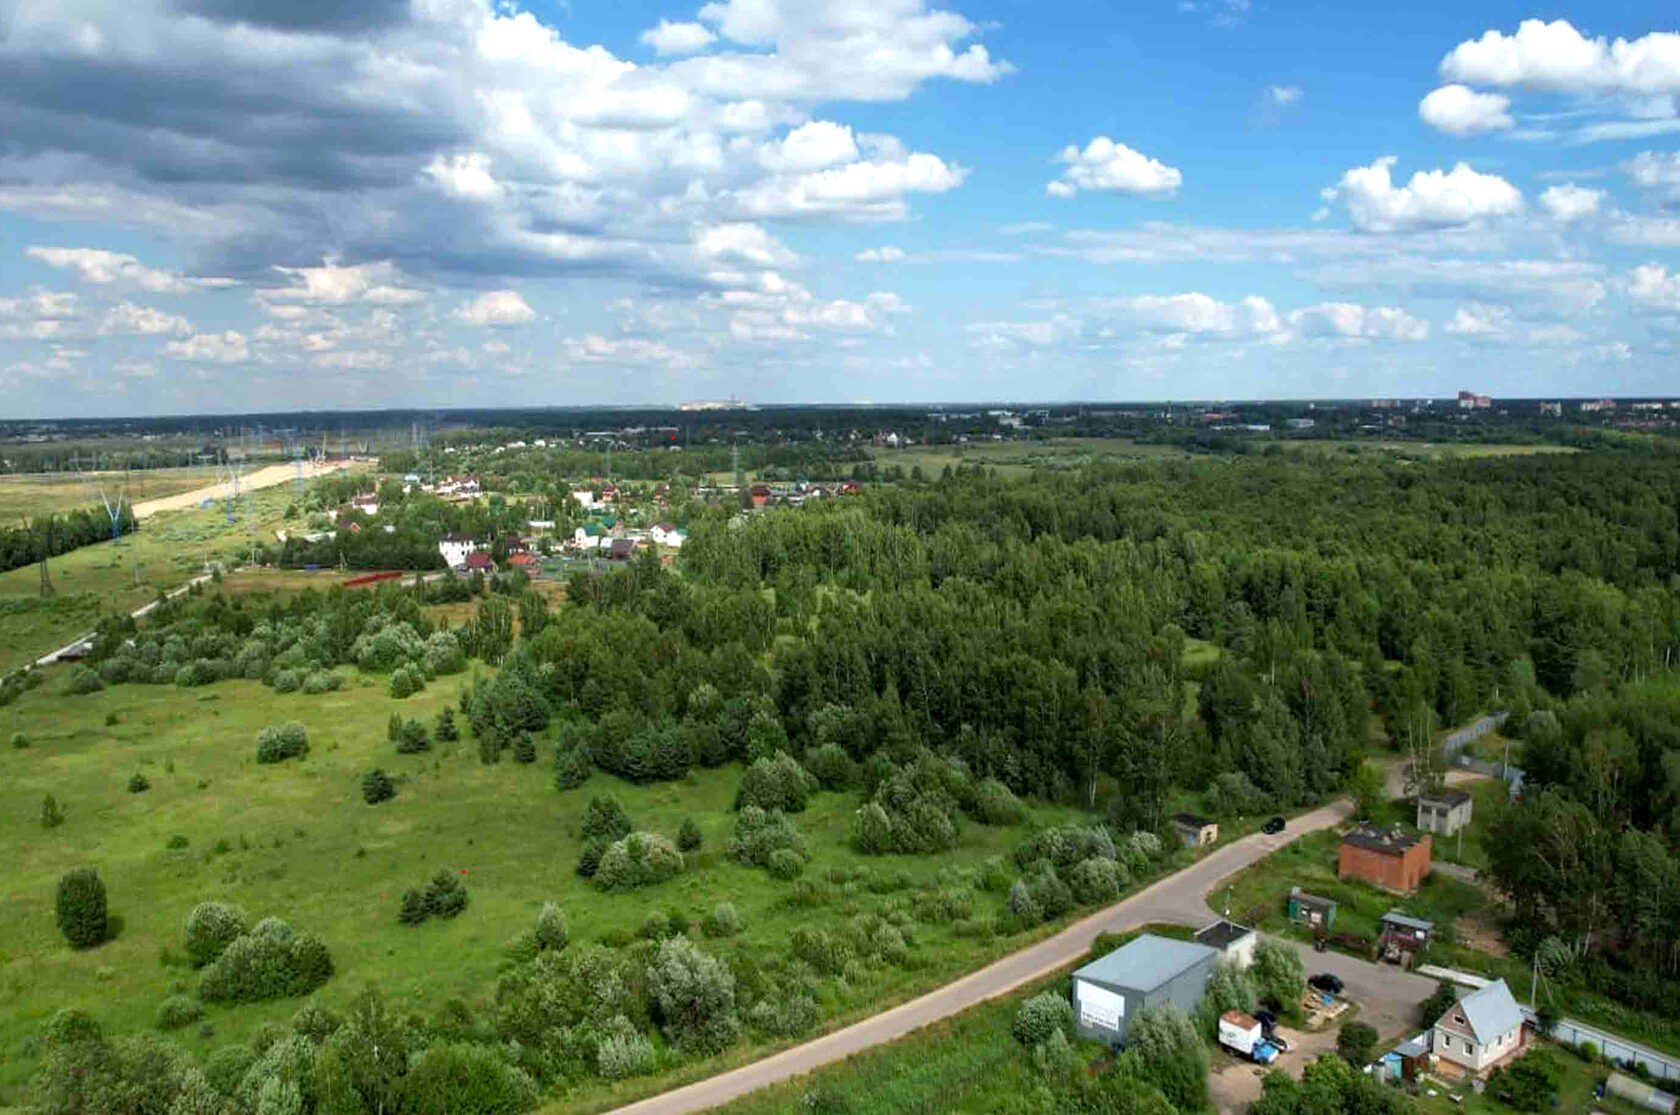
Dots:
(695, 994)
(1040, 1016)
(446, 895)
(413, 910)
(757, 834)
(1050, 893)
(411, 738)
(465, 1079)
(640, 859)
(1279, 975)
(177, 1011)
(1096, 881)
(209, 929)
(19, 741)
(623, 1051)
(1356, 1042)
(524, 748)
(446, 731)
(995, 804)
(288, 681)
(227, 1066)
(1064, 846)
(688, 836)
(82, 681)
(321, 681)
(656, 926)
(723, 921)
(176, 842)
(377, 787)
(830, 766)
(279, 742)
(269, 961)
(393, 727)
(872, 831)
(785, 864)
(589, 857)
(52, 813)
(550, 931)
(572, 764)
(1021, 904)
(80, 906)
(406, 681)
(138, 784)
(778, 782)
(605, 819)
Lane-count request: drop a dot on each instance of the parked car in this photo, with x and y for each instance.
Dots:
(1326, 982)
(1273, 826)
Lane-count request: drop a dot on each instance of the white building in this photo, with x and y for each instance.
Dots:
(587, 498)
(666, 535)
(1479, 1030)
(455, 548)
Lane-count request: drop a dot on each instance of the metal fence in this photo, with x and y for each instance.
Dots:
(1468, 734)
(1616, 1049)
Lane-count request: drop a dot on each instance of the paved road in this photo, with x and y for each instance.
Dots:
(144, 609)
(1180, 897)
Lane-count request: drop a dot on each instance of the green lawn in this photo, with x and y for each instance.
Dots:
(302, 845)
(1574, 1094)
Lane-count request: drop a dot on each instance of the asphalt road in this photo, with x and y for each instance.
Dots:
(1181, 898)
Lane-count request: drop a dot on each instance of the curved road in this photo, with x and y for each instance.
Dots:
(1180, 897)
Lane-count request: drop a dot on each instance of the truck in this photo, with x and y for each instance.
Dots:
(1242, 1035)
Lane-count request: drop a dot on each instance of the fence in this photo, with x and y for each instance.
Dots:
(1616, 1049)
(1468, 734)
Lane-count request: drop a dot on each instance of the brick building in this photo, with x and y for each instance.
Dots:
(1385, 858)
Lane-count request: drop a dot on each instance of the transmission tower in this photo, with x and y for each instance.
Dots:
(46, 551)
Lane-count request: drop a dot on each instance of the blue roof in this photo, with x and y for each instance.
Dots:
(1146, 963)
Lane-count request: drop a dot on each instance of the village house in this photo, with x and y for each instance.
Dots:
(1481, 1030)
(479, 562)
(664, 534)
(455, 548)
(760, 495)
(621, 549)
(1385, 858)
(1444, 811)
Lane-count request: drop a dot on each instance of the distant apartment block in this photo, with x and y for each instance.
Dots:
(1469, 400)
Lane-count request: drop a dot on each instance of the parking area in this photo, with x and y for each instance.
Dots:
(1234, 1083)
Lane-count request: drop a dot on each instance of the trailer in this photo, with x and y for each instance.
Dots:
(1242, 1035)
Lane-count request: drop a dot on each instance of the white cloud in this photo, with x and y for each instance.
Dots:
(55, 304)
(1113, 167)
(127, 318)
(1461, 111)
(886, 253)
(1571, 286)
(741, 243)
(1432, 199)
(1570, 202)
(495, 348)
(496, 308)
(1196, 313)
(95, 265)
(1646, 232)
(677, 38)
(354, 361)
(812, 146)
(1651, 286)
(871, 189)
(463, 176)
(225, 348)
(1555, 57)
(1002, 335)
(1284, 96)
(1656, 173)
(593, 348)
(1480, 320)
(1351, 321)
(330, 284)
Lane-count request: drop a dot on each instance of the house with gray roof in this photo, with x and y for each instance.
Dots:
(1146, 972)
(1478, 1032)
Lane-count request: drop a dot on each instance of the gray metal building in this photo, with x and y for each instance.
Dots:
(1149, 971)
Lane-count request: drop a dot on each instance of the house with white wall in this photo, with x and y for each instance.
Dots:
(455, 548)
(1479, 1031)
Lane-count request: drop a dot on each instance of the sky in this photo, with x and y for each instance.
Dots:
(239, 205)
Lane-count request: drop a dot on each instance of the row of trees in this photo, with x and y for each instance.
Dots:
(47, 536)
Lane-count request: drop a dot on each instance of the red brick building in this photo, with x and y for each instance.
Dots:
(1385, 858)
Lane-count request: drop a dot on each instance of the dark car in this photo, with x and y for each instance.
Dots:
(1273, 826)
(1327, 983)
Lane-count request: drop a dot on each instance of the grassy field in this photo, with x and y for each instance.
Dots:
(1425, 450)
(295, 840)
(93, 580)
(1014, 457)
(1574, 1094)
(25, 496)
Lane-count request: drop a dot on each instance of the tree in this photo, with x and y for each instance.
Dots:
(695, 994)
(52, 813)
(446, 895)
(209, 929)
(1365, 786)
(361, 1065)
(1278, 973)
(605, 819)
(80, 905)
(524, 748)
(377, 787)
(1171, 1054)
(1439, 1003)
(446, 731)
(550, 931)
(688, 836)
(413, 910)
(1356, 1042)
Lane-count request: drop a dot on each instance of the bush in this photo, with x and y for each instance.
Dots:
(446, 895)
(640, 859)
(465, 1079)
(411, 738)
(723, 921)
(572, 765)
(1040, 1016)
(269, 961)
(177, 1011)
(688, 836)
(321, 681)
(1096, 881)
(1022, 905)
(605, 819)
(623, 1051)
(227, 1066)
(406, 681)
(413, 910)
(1357, 1042)
(52, 813)
(872, 830)
(82, 681)
(695, 994)
(589, 857)
(830, 766)
(1064, 846)
(288, 681)
(1051, 895)
(785, 864)
(176, 842)
(757, 834)
(377, 787)
(778, 782)
(138, 784)
(279, 742)
(209, 929)
(995, 804)
(80, 906)
(1279, 975)
(524, 748)
(1439, 1003)
(550, 930)
(19, 741)
(446, 731)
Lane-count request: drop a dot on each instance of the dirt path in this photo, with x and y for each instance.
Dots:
(263, 478)
(1177, 898)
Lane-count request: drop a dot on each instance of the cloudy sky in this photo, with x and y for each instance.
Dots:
(224, 205)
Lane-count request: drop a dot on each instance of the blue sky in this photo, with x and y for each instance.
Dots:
(225, 205)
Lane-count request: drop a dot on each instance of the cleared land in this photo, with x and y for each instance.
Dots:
(34, 494)
(268, 477)
(301, 844)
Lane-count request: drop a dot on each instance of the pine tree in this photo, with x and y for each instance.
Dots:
(80, 907)
(688, 836)
(524, 748)
(377, 787)
(413, 907)
(446, 730)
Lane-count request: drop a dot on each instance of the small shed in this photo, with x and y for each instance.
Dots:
(1146, 972)
(1414, 1056)
(1403, 939)
(1195, 831)
(1310, 909)
(1236, 943)
(1444, 812)
(1639, 1093)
